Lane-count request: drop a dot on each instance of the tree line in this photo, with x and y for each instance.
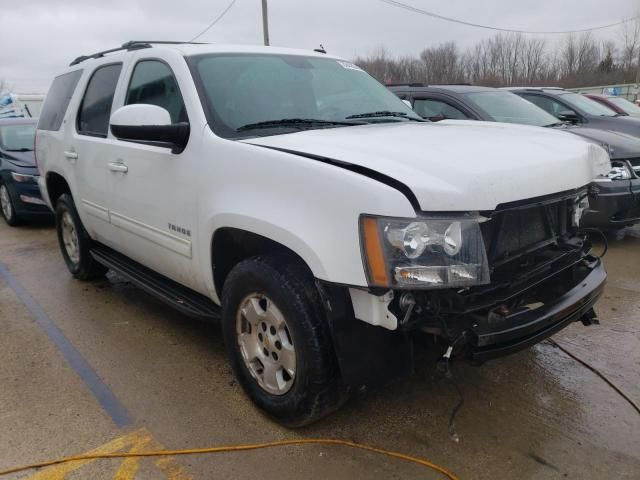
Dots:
(517, 59)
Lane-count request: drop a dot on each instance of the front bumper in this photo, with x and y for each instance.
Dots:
(27, 200)
(616, 204)
(494, 336)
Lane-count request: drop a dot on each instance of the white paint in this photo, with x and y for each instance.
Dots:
(373, 309)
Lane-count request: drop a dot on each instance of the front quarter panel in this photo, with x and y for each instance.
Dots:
(306, 205)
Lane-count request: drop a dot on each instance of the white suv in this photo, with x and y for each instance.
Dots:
(294, 198)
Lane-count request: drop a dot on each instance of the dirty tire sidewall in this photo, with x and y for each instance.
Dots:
(86, 268)
(316, 389)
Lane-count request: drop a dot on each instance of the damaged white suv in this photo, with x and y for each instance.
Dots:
(293, 197)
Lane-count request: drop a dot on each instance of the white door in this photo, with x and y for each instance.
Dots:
(155, 199)
(88, 151)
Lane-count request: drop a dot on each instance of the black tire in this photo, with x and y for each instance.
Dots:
(316, 389)
(12, 218)
(84, 267)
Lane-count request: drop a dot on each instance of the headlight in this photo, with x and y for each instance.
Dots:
(428, 252)
(619, 171)
(21, 178)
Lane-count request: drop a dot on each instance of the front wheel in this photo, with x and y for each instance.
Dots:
(7, 208)
(74, 241)
(278, 341)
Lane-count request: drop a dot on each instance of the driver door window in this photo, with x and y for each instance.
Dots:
(431, 109)
(547, 104)
(153, 83)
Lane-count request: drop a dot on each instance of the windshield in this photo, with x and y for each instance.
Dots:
(588, 106)
(290, 93)
(17, 138)
(508, 107)
(625, 105)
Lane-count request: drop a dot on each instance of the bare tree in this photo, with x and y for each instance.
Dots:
(442, 64)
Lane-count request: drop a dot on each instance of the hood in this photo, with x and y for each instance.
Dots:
(623, 124)
(20, 159)
(458, 165)
(621, 145)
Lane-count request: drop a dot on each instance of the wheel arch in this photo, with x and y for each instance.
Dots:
(231, 245)
(56, 186)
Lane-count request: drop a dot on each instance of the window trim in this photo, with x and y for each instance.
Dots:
(84, 94)
(160, 60)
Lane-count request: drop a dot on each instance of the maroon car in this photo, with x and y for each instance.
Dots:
(619, 105)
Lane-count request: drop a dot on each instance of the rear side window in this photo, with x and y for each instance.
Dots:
(95, 110)
(153, 83)
(57, 101)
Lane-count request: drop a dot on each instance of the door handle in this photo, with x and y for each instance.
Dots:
(71, 155)
(118, 167)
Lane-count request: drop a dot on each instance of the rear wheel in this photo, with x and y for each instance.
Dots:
(6, 207)
(75, 243)
(278, 341)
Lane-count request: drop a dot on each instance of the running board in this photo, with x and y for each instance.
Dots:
(178, 296)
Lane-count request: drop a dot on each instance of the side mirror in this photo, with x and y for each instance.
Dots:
(437, 118)
(568, 116)
(149, 124)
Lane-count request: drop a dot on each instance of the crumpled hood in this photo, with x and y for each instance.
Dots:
(20, 159)
(458, 165)
(621, 145)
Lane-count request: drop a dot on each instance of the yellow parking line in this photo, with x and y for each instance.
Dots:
(137, 441)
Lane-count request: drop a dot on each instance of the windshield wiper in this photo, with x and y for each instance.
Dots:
(556, 124)
(292, 122)
(384, 113)
(24, 149)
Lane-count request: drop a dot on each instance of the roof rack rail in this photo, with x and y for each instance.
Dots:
(406, 84)
(130, 45)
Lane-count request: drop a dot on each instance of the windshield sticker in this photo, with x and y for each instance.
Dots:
(349, 65)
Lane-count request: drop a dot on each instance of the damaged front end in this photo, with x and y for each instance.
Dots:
(543, 277)
(535, 276)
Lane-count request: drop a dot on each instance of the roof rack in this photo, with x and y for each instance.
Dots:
(130, 45)
(406, 84)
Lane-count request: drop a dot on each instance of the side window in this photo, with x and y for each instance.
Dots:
(153, 83)
(95, 110)
(57, 101)
(547, 104)
(431, 108)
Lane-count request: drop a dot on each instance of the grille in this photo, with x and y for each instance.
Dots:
(514, 232)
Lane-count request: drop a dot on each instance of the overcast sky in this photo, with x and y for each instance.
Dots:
(38, 38)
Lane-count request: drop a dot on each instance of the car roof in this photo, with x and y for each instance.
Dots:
(189, 49)
(417, 88)
(17, 121)
(552, 90)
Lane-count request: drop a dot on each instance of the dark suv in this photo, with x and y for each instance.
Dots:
(618, 201)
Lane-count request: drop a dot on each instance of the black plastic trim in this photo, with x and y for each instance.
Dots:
(181, 298)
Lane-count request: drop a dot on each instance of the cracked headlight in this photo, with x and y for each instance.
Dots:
(619, 171)
(426, 252)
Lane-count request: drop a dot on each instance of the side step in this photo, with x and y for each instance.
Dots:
(178, 296)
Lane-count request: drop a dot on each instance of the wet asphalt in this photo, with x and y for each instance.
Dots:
(535, 415)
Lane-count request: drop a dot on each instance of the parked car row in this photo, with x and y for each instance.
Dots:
(322, 221)
(615, 199)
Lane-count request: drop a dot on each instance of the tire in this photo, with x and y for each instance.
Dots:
(260, 284)
(75, 243)
(7, 209)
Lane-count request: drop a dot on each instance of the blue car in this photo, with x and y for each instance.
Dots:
(20, 198)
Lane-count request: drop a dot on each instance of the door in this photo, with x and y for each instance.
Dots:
(89, 151)
(155, 199)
